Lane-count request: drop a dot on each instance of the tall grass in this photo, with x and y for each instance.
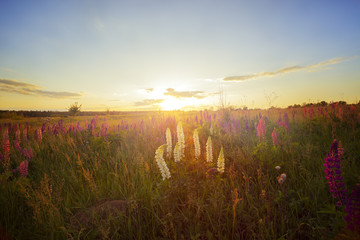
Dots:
(98, 178)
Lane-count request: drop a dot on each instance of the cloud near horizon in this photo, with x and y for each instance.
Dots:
(188, 94)
(148, 102)
(313, 67)
(17, 87)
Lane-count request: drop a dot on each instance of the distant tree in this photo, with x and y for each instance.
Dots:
(74, 108)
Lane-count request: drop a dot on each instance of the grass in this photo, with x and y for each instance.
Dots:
(75, 173)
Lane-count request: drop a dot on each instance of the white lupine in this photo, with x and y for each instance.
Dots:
(168, 142)
(211, 130)
(197, 144)
(159, 157)
(221, 161)
(181, 139)
(177, 152)
(209, 155)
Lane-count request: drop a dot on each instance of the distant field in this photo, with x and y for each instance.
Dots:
(284, 174)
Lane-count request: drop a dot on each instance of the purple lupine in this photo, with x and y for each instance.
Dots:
(333, 174)
(353, 210)
(274, 137)
(286, 121)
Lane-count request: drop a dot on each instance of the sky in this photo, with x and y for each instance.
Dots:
(167, 54)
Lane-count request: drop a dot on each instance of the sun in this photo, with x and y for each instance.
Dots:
(172, 103)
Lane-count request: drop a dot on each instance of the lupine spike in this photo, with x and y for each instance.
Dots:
(159, 157)
(196, 144)
(274, 137)
(333, 174)
(209, 154)
(168, 142)
(221, 161)
(181, 139)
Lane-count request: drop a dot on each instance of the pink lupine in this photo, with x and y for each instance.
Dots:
(38, 135)
(261, 128)
(274, 137)
(17, 136)
(23, 168)
(6, 147)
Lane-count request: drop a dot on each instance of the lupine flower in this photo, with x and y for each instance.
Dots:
(168, 142)
(196, 144)
(209, 155)
(6, 148)
(274, 137)
(177, 152)
(261, 128)
(286, 121)
(17, 136)
(333, 174)
(221, 161)
(28, 153)
(211, 130)
(23, 168)
(353, 210)
(38, 135)
(181, 139)
(159, 158)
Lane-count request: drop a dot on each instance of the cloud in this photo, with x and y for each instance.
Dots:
(149, 90)
(149, 102)
(24, 88)
(313, 67)
(188, 94)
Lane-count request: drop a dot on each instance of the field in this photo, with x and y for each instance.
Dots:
(267, 174)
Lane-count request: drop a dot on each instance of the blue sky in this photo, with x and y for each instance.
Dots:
(139, 55)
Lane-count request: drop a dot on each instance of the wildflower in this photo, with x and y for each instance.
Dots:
(196, 144)
(333, 174)
(274, 137)
(221, 161)
(211, 130)
(6, 148)
(277, 167)
(168, 142)
(177, 152)
(159, 158)
(17, 136)
(261, 128)
(209, 155)
(38, 135)
(281, 179)
(23, 168)
(181, 139)
(353, 210)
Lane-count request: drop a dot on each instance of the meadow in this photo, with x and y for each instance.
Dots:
(229, 174)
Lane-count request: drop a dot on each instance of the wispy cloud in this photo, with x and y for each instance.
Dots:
(313, 67)
(148, 102)
(149, 90)
(188, 94)
(13, 86)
